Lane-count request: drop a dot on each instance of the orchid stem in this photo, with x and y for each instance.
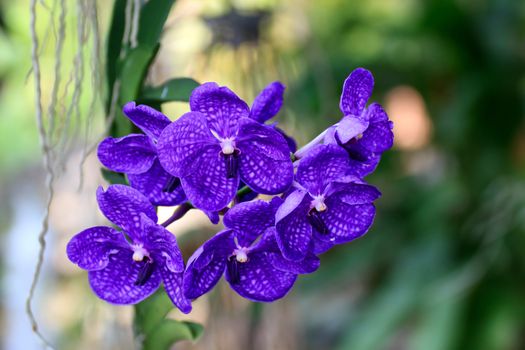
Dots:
(178, 213)
(303, 150)
(243, 191)
(186, 206)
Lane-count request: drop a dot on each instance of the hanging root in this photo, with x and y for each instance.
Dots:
(50, 173)
(92, 14)
(131, 24)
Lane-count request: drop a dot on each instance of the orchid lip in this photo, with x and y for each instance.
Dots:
(145, 272)
(241, 254)
(172, 183)
(139, 252)
(318, 203)
(231, 162)
(315, 219)
(233, 270)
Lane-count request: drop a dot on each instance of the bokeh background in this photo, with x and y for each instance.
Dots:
(443, 266)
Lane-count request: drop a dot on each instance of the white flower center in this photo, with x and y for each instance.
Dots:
(241, 255)
(228, 146)
(318, 203)
(139, 252)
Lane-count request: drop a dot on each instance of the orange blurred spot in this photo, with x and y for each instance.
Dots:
(412, 125)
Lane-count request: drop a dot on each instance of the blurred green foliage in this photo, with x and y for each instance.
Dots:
(444, 265)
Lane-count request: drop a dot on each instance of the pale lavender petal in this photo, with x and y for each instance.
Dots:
(116, 282)
(183, 141)
(122, 206)
(221, 106)
(249, 220)
(350, 127)
(322, 165)
(207, 264)
(132, 154)
(152, 183)
(345, 222)
(268, 103)
(329, 136)
(173, 286)
(148, 119)
(264, 162)
(356, 91)
(259, 280)
(293, 200)
(294, 231)
(206, 184)
(162, 244)
(91, 248)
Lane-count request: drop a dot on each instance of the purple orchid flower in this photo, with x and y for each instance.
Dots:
(125, 267)
(217, 144)
(267, 104)
(327, 204)
(248, 255)
(364, 132)
(136, 156)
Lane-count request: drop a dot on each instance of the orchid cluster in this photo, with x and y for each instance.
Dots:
(218, 158)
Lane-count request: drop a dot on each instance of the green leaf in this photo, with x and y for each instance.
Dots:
(132, 75)
(153, 15)
(151, 312)
(155, 331)
(113, 178)
(114, 45)
(171, 331)
(178, 89)
(134, 71)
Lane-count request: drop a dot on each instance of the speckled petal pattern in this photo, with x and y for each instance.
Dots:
(268, 103)
(346, 222)
(206, 184)
(259, 280)
(323, 164)
(116, 282)
(133, 154)
(91, 248)
(162, 244)
(357, 89)
(173, 286)
(221, 106)
(122, 206)
(152, 184)
(148, 119)
(249, 220)
(207, 264)
(294, 231)
(265, 164)
(183, 141)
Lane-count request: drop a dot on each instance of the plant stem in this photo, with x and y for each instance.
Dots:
(178, 213)
(302, 152)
